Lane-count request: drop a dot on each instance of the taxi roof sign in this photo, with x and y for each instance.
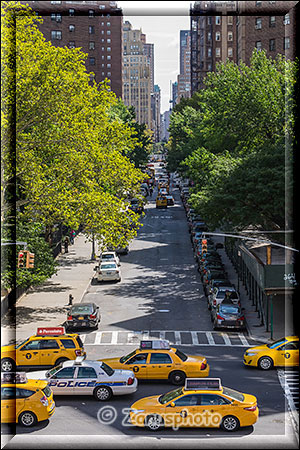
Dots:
(14, 377)
(50, 331)
(203, 384)
(155, 344)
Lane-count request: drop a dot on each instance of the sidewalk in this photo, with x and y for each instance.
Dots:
(46, 305)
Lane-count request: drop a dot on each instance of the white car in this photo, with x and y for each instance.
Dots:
(219, 294)
(109, 256)
(108, 271)
(81, 377)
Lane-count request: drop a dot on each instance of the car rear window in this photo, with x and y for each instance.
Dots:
(68, 343)
(108, 266)
(181, 355)
(229, 309)
(110, 256)
(79, 342)
(107, 369)
(87, 309)
(47, 391)
(235, 395)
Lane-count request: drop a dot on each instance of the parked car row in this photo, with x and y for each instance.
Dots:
(222, 298)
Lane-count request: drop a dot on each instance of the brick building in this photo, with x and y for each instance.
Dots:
(95, 26)
(222, 30)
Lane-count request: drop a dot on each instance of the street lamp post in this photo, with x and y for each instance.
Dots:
(93, 256)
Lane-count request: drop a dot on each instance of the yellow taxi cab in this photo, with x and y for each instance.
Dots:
(155, 359)
(25, 401)
(284, 352)
(48, 347)
(200, 403)
(163, 187)
(161, 202)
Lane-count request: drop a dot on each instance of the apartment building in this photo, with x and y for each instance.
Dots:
(184, 77)
(95, 26)
(136, 74)
(155, 111)
(149, 52)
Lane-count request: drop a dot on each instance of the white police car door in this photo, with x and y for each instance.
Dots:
(85, 381)
(62, 382)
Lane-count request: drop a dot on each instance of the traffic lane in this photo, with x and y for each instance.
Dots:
(79, 415)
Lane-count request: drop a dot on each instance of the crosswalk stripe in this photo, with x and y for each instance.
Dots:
(133, 338)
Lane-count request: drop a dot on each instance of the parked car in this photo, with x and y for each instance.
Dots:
(136, 206)
(228, 315)
(219, 295)
(216, 275)
(83, 315)
(108, 271)
(161, 202)
(109, 256)
(217, 283)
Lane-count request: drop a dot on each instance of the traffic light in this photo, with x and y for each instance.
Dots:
(29, 260)
(204, 246)
(22, 259)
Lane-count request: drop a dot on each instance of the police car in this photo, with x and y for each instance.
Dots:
(82, 377)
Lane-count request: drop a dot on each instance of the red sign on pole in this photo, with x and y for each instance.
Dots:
(50, 331)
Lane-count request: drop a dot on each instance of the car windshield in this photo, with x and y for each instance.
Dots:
(81, 309)
(20, 345)
(108, 256)
(107, 369)
(124, 358)
(235, 395)
(53, 371)
(108, 266)
(170, 396)
(228, 309)
(277, 343)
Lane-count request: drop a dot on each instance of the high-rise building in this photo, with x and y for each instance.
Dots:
(184, 77)
(165, 122)
(155, 109)
(136, 74)
(174, 93)
(149, 52)
(95, 26)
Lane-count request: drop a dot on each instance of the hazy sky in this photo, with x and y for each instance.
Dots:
(161, 22)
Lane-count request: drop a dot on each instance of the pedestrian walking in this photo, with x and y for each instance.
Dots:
(72, 236)
(66, 244)
(151, 190)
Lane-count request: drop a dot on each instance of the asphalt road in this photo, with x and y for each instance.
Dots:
(161, 295)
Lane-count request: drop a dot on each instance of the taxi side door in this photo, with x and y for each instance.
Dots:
(29, 354)
(288, 354)
(138, 364)
(212, 408)
(49, 352)
(160, 365)
(8, 404)
(180, 412)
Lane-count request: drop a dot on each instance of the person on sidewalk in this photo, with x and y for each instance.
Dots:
(72, 236)
(66, 244)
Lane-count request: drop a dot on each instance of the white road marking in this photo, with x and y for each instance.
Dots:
(177, 338)
(226, 339)
(194, 338)
(210, 338)
(114, 338)
(243, 339)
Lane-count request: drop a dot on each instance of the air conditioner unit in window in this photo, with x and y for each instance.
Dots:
(258, 27)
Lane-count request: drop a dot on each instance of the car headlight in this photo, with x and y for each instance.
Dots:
(137, 411)
(251, 353)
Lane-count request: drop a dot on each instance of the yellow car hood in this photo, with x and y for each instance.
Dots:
(259, 348)
(146, 402)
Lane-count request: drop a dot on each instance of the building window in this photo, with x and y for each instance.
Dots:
(209, 52)
(91, 29)
(286, 43)
(209, 36)
(109, 49)
(71, 44)
(209, 67)
(91, 13)
(272, 46)
(71, 28)
(230, 36)
(209, 21)
(56, 17)
(108, 57)
(108, 66)
(218, 36)
(108, 74)
(258, 23)
(218, 20)
(258, 45)
(108, 41)
(109, 32)
(230, 51)
(286, 19)
(218, 52)
(108, 24)
(92, 45)
(92, 61)
(71, 12)
(258, 3)
(229, 20)
(56, 35)
(272, 21)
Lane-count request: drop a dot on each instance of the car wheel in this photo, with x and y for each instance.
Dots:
(154, 422)
(102, 393)
(60, 361)
(27, 419)
(177, 377)
(7, 365)
(230, 423)
(265, 363)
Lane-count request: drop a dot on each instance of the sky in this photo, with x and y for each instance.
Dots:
(161, 22)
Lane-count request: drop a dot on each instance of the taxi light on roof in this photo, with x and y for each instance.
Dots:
(157, 344)
(14, 377)
(50, 331)
(203, 383)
